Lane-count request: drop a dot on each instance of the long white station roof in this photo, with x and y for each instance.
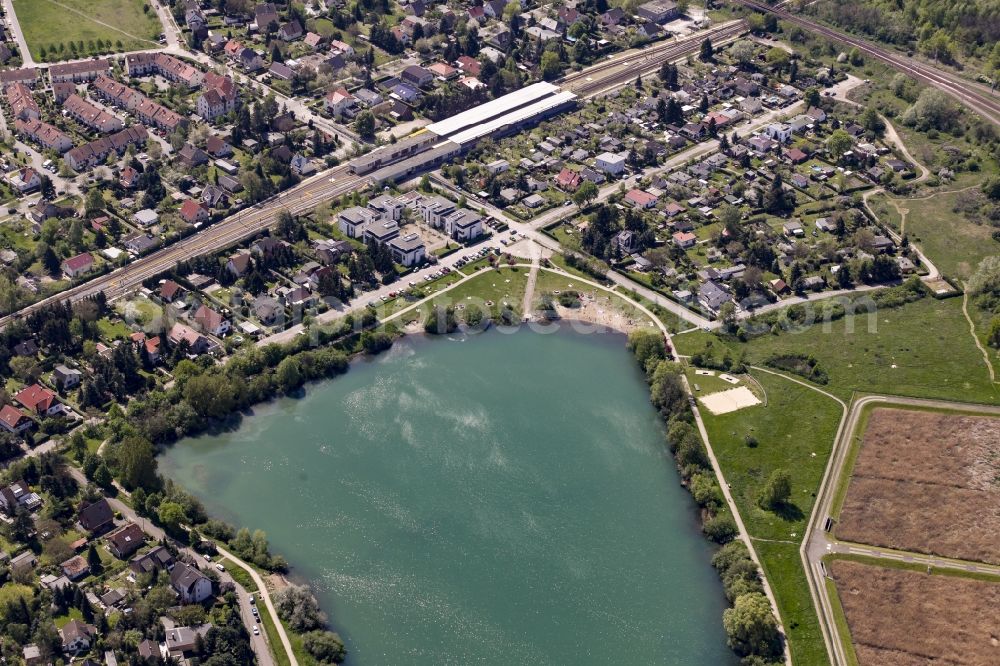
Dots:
(477, 132)
(492, 109)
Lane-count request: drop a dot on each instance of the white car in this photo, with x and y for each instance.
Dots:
(220, 567)
(256, 631)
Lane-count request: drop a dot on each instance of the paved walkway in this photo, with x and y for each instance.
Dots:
(15, 29)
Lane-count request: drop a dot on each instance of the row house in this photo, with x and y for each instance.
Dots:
(219, 98)
(92, 116)
(51, 138)
(95, 152)
(79, 72)
(22, 104)
(157, 115)
(27, 75)
(167, 66)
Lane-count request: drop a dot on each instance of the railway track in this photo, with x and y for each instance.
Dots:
(625, 67)
(337, 181)
(975, 96)
(228, 232)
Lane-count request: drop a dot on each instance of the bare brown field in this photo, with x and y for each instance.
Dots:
(909, 618)
(929, 483)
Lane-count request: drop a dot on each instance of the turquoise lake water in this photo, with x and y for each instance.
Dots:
(502, 499)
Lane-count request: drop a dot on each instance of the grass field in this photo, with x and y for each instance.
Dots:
(794, 432)
(923, 349)
(952, 242)
(899, 616)
(50, 23)
(925, 481)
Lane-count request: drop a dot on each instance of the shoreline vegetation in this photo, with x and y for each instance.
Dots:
(750, 625)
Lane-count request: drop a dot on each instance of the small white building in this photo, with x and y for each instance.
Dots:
(611, 163)
(408, 250)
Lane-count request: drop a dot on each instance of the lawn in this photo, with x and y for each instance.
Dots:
(952, 242)
(793, 432)
(923, 350)
(51, 23)
(505, 285)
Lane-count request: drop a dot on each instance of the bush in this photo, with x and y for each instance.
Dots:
(720, 528)
(298, 607)
(325, 646)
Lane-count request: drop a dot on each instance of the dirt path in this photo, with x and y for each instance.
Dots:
(529, 289)
(975, 338)
(893, 137)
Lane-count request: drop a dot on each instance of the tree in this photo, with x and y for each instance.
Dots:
(551, 65)
(325, 646)
(777, 491)
(137, 464)
(707, 52)
(297, 606)
(585, 194)
(95, 201)
(743, 52)
(839, 143)
(47, 189)
(364, 125)
(289, 374)
(751, 627)
(102, 476)
(171, 515)
(778, 58)
(93, 559)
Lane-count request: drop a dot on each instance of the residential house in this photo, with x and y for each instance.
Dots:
(779, 132)
(77, 636)
(96, 517)
(684, 239)
(22, 104)
(192, 156)
(407, 250)
(220, 97)
(196, 342)
(13, 420)
(78, 265)
(138, 243)
(145, 218)
(611, 163)
(568, 180)
(66, 378)
(302, 165)
(90, 115)
(24, 180)
(417, 75)
(75, 568)
(353, 221)
(46, 135)
(640, 198)
(713, 295)
(387, 207)
(238, 264)
(339, 101)
(191, 585)
(194, 212)
(80, 71)
(211, 322)
(264, 15)
(463, 225)
(18, 494)
(157, 558)
(291, 31)
(126, 541)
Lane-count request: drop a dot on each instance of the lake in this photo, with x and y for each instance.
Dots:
(499, 499)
